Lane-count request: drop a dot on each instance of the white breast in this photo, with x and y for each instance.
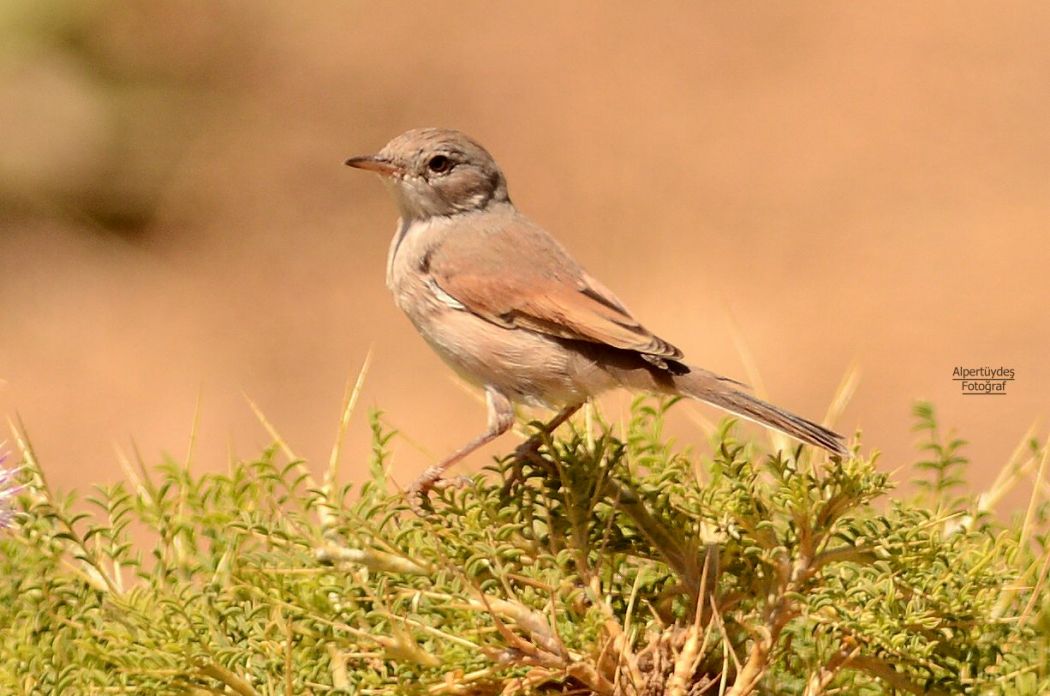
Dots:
(415, 292)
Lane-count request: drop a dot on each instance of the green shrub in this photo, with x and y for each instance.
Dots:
(599, 565)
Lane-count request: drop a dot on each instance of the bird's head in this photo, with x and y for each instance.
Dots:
(437, 172)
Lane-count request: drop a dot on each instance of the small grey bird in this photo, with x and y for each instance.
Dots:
(507, 307)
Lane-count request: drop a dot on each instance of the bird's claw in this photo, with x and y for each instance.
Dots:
(528, 451)
(418, 493)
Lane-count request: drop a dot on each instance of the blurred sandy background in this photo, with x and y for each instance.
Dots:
(850, 181)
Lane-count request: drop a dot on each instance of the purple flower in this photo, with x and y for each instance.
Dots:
(8, 490)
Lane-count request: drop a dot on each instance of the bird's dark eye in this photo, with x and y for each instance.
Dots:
(439, 164)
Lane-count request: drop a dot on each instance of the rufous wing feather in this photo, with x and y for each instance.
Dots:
(485, 269)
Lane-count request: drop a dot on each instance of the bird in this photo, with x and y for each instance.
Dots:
(506, 306)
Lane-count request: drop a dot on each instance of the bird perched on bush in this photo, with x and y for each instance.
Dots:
(507, 307)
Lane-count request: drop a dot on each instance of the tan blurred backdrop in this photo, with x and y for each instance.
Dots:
(849, 182)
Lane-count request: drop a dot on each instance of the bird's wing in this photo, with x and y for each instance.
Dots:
(512, 273)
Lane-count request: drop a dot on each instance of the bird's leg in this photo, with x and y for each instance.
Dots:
(501, 417)
(532, 445)
(529, 450)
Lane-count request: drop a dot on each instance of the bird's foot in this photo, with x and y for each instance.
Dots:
(526, 452)
(418, 493)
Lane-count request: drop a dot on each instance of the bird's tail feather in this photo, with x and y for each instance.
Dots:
(718, 391)
(764, 413)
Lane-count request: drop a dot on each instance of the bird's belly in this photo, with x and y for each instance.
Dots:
(525, 366)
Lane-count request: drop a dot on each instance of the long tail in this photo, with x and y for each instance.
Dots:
(746, 406)
(722, 392)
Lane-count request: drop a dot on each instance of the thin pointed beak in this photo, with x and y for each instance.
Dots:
(374, 163)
